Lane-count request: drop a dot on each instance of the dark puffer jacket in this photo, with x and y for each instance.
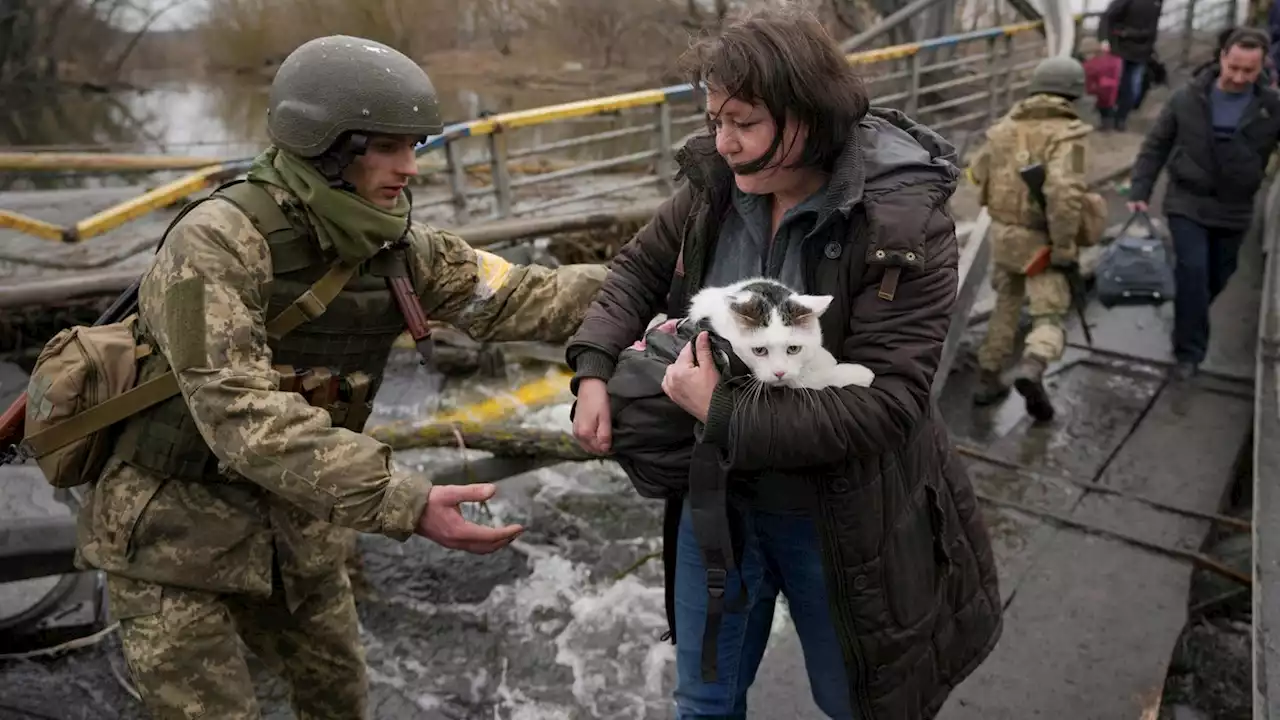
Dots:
(908, 560)
(1210, 182)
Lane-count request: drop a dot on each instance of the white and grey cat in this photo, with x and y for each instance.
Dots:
(774, 331)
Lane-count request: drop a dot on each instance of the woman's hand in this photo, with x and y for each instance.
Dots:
(591, 423)
(691, 386)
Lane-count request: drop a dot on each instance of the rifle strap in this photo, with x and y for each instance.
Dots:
(411, 307)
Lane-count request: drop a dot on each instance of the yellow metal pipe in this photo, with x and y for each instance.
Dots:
(564, 111)
(545, 390)
(47, 161)
(162, 196)
(30, 225)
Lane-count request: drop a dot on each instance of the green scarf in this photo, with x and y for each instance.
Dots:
(344, 222)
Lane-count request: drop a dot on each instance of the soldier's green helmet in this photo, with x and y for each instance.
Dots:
(1059, 76)
(337, 84)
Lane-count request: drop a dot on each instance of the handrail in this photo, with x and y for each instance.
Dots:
(545, 114)
(1266, 470)
(1002, 74)
(675, 93)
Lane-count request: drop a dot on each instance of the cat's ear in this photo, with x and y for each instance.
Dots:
(817, 304)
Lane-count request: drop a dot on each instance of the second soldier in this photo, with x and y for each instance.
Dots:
(1043, 129)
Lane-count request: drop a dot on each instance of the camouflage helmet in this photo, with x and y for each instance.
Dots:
(337, 84)
(1059, 76)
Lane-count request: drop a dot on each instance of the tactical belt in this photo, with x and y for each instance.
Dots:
(709, 515)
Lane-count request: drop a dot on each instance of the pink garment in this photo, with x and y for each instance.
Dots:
(1102, 78)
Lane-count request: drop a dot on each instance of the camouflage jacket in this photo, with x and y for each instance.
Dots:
(286, 476)
(1039, 129)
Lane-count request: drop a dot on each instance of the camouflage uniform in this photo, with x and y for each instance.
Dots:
(1043, 128)
(221, 517)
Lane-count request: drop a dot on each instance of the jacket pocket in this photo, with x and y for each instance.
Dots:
(119, 502)
(914, 552)
(1189, 174)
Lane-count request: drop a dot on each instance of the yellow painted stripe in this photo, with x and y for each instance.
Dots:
(46, 161)
(881, 54)
(137, 207)
(1021, 27)
(564, 111)
(543, 391)
(30, 225)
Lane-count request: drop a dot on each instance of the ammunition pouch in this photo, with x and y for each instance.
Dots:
(347, 398)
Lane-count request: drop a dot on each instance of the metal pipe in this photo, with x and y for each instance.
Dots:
(897, 18)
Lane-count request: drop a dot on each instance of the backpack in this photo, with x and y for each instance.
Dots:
(655, 443)
(85, 378)
(1135, 269)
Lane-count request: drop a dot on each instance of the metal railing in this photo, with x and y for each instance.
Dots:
(969, 89)
(622, 142)
(1266, 469)
(593, 149)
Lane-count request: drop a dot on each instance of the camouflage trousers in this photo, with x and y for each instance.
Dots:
(1049, 297)
(185, 656)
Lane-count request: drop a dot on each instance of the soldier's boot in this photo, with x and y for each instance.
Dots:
(991, 388)
(1028, 380)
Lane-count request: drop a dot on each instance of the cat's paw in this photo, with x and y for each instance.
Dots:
(846, 374)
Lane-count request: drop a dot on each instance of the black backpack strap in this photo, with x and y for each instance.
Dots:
(709, 513)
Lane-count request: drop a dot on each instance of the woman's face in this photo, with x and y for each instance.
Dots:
(744, 133)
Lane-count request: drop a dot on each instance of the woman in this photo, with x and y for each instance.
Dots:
(850, 501)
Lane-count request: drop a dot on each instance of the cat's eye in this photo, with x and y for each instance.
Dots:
(759, 351)
(793, 349)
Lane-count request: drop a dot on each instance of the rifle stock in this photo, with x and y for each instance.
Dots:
(13, 421)
(1034, 178)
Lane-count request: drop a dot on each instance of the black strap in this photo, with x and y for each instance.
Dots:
(709, 512)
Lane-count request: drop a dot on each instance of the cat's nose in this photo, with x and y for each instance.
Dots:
(779, 373)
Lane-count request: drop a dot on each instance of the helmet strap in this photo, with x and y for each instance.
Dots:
(338, 157)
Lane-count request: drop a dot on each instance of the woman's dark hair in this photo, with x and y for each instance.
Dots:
(783, 59)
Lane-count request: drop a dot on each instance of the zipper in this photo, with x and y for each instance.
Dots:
(841, 603)
(90, 375)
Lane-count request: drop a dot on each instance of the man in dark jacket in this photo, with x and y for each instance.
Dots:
(1214, 137)
(1130, 27)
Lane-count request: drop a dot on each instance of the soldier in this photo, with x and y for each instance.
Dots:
(1042, 128)
(221, 512)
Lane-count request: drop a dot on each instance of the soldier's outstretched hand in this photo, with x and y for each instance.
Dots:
(442, 523)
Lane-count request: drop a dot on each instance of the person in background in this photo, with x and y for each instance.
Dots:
(1214, 138)
(1130, 28)
(1043, 128)
(1102, 74)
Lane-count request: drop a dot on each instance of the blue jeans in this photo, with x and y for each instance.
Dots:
(781, 553)
(1131, 77)
(1206, 260)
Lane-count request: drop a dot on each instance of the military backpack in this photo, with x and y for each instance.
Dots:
(85, 378)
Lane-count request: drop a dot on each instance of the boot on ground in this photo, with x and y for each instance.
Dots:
(1028, 380)
(991, 388)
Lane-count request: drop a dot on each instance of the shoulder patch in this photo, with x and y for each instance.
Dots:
(1077, 158)
(185, 319)
(493, 270)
